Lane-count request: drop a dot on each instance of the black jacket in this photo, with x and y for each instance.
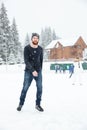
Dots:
(33, 58)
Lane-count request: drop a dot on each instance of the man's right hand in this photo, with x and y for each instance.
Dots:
(35, 74)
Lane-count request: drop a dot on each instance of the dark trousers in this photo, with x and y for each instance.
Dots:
(28, 77)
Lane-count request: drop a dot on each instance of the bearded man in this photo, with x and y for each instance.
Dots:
(33, 58)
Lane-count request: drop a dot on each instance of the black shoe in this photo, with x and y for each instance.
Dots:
(39, 108)
(19, 108)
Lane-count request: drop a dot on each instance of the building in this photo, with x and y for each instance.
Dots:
(66, 49)
(85, 54)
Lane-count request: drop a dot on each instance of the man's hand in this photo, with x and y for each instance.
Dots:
(35, 74)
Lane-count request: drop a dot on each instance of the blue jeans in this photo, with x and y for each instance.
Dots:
(28, 77)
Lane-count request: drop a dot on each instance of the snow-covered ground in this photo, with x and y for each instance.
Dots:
(65, 105)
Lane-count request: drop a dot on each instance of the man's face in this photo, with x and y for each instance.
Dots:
(35, 40)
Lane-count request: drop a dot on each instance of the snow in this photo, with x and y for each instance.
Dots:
(65, 105)
(52, 44)
(64, 42)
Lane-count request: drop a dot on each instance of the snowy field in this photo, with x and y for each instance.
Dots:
(65, 105)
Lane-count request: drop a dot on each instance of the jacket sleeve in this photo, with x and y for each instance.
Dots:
(41, 58)
(26, 60)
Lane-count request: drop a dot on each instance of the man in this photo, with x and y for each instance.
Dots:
(77, 77)
(56, 68)
(71, 70)
(33, 57)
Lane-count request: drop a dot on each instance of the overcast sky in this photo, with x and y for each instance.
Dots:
(67, 17)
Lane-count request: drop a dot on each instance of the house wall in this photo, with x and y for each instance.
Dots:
(68, 52)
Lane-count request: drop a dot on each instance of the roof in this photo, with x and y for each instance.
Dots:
(52, 44)
(64, 42)
(68, 42)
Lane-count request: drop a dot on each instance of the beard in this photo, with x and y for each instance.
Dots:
(35, 42)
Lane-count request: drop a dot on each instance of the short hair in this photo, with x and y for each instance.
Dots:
(35, 34)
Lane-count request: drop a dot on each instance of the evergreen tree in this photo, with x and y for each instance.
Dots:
(27, 40)
(11, 59)
(47, 35)
(54, 35)
(1, 40)
(42, 39)
(16, 46)
(5, 38)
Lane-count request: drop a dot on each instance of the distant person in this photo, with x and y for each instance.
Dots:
(33, 57)
(56, 68)
(77, 76)
(71, 70)
(64, 69)
(60, 69)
